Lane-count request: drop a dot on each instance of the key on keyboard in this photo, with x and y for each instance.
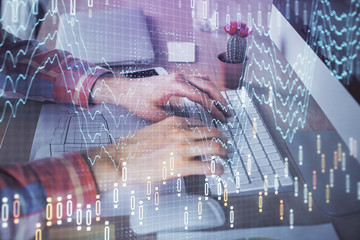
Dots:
(252, 153)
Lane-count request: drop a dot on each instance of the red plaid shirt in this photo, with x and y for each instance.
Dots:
(29, 71)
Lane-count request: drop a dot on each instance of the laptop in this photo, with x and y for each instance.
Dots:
(254, 162)
(106, 37)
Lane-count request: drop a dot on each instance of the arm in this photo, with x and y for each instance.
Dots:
(144, 153)
(147, 97)
(34, 182)
(29, 70)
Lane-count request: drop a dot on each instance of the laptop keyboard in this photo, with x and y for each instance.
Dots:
(254, 162)
(76, 134)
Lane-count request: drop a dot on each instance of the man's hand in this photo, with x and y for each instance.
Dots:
(148, 152)
(147, 97)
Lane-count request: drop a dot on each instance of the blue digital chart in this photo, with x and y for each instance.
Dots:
(183, 119)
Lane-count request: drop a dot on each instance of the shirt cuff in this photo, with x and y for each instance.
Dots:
(69, 90)
(82, 96)
(66, 177)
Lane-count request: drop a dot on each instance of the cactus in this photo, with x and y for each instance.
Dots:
(236, 49)
(236, 44)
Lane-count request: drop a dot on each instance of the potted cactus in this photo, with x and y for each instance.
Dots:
(233, 61)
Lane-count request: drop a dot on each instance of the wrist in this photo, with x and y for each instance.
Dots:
(103, 163)
(109, 89)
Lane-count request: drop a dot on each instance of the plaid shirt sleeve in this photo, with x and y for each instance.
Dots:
(29, 70)
(33, 183)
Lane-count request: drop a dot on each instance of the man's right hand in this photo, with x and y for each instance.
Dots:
(148, 150)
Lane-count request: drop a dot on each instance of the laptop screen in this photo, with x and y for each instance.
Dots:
(331, 29)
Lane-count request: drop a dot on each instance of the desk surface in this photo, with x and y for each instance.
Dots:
(169, 22)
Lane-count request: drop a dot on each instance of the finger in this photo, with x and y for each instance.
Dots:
(193, 123)
(153, 113)
(205, 134)
(202, 134)
(184, 123)
(202, 168)
(206, 85)
(206, 148)
(195, 95)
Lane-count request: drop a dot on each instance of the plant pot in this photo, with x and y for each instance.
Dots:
(231, 74)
